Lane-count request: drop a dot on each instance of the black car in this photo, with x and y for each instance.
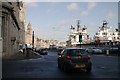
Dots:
(74, 58)
(60, 48)
(42, 51)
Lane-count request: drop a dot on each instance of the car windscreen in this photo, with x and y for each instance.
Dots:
(76, 52)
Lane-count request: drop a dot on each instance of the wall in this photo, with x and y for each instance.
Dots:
(0, 36)
(0, 42)
(22, 22)
(10, 29)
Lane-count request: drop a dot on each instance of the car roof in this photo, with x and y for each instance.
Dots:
(73, 48)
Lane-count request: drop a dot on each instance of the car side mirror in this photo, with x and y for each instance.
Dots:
(59, 53)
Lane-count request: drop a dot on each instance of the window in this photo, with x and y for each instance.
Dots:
(76, 52)
(104, 33)
(96, 33)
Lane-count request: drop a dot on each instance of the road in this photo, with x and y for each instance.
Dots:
(46, 67)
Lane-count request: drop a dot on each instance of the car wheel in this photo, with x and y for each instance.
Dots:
(93, 52)
(65, 68)
(88, 70)
(59, 65)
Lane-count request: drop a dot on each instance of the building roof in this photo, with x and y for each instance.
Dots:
(73, 48)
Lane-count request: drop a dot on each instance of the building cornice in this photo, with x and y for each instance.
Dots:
(10, 9)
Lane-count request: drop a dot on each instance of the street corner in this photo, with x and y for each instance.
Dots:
(21, 56)
(33, 55)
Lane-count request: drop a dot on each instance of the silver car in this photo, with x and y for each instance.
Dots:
(94, 50)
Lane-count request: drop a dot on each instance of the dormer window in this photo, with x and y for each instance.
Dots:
(104, 33)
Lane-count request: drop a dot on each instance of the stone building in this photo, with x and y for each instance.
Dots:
(75, 34)
(38, 42)
(10, 28)
(22, 22)
(1, 40)
(28, 34)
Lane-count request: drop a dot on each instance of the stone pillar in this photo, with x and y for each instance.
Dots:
(0, 50)
(0, 37)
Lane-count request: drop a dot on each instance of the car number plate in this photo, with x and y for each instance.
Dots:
(80, 66)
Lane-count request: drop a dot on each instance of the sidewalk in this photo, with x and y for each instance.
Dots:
(21, 56)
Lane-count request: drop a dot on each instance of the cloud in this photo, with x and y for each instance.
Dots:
(84, 13)
(32, 4)
(30, 0)
(66, 22)
(109, 16)
(49, 10)
(91, 5)
(72, 7)
(92, 28)
(63, 22)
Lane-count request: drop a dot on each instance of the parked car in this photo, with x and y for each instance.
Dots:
(74, 58)
(60, 48)
(112, 50)
(53, 47)
(44, 51)
(94, 50)
(21, 48)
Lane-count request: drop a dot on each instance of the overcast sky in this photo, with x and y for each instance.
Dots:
(52, 20)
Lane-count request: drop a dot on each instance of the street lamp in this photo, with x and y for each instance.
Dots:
(33, 39)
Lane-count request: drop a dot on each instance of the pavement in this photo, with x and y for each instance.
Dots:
(21, 56)
(103, 66)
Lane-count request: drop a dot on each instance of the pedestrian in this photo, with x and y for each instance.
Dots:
(27, 50)
(20, 48)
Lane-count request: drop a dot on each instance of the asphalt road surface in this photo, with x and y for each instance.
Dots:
(46, 67)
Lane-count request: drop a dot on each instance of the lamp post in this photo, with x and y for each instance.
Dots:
(33, 39)
(1, 44)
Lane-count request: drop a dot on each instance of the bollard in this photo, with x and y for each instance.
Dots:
(107, 52)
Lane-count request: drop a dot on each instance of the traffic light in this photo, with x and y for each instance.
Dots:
(80, 38)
